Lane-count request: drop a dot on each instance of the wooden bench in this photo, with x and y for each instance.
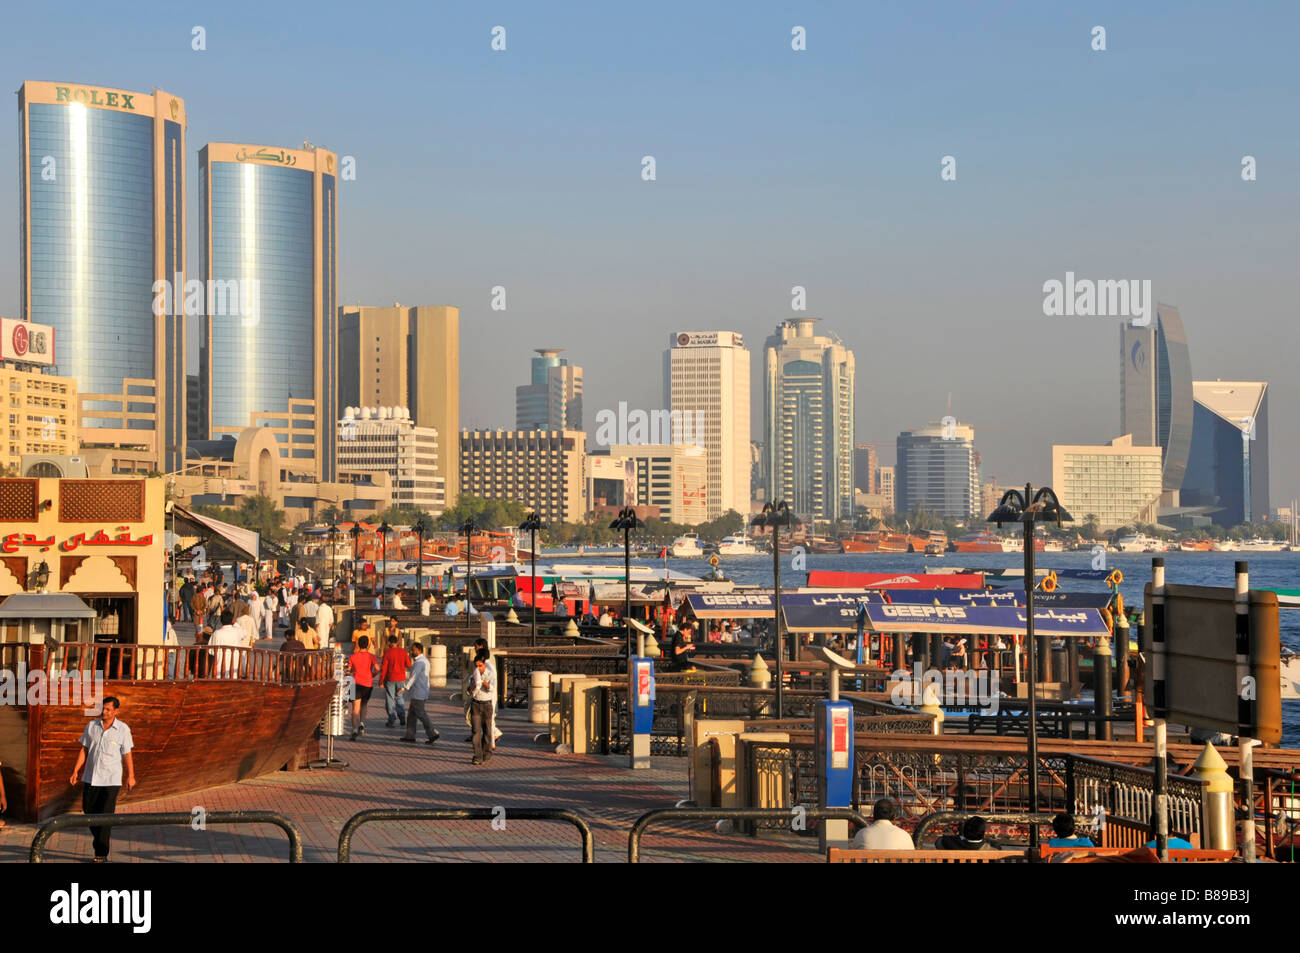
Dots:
(841, 855)
(1184, 856)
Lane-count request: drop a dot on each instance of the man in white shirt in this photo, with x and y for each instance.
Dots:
(605, 620)
(324, 620)
(270, 608)
(105, 747)
(228, 637)
(882, 834)
(426, 605)
(311, 607)
(417, 693)
(482, 692)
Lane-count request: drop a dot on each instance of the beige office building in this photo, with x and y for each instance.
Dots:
(706, 374)
(542, 469)
(41, 414)
(406, 357)
(885, 483)
(671, 477)
(1118, 483)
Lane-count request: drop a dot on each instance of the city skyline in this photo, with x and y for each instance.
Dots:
(632, 258)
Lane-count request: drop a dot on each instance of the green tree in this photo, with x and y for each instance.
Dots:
(258, 513)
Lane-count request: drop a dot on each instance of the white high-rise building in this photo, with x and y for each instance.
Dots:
(808, 420)
(707, 373)
(386, 440)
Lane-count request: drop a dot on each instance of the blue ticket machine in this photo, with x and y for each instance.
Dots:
(834, 727)
(641, 695)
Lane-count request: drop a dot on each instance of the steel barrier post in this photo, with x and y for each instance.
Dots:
(164, 819)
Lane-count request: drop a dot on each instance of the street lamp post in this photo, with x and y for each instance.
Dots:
(355, 533)
(775, 515)
(334, 572)
(420, 529)
(1028, 508)
(468, 529)
(627, 521)
(533, 524)
(384, 530)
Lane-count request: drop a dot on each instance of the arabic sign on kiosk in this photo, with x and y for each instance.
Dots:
(985, 620)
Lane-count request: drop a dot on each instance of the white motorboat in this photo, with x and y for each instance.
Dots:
(1138, 543)
(1290, 665)
(686, 547)
(737, 546)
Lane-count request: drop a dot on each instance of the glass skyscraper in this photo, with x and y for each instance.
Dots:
(101, 220)
(268, 220)
(1227, 469)
(1156, 393)
(938, 471)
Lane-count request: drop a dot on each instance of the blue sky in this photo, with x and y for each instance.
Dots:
(775, 168)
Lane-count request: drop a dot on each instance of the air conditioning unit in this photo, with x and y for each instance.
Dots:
(53, 465)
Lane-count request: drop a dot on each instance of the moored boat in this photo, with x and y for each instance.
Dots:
(686, 547)
(740, 545)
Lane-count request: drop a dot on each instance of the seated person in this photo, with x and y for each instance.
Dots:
(1063, 826)
(1175, 842)
(882, 834)
(971, 838)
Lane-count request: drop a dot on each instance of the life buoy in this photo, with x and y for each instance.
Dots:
(1115, 578)
(1110, 622)
(713, 561)
(1049, 583)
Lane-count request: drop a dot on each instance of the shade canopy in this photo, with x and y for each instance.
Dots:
(221, 540)
(45, 605)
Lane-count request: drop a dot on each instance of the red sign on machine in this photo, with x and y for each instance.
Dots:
(643, 670)
(839, 737)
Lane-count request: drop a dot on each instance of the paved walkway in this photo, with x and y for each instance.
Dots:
(383, 772)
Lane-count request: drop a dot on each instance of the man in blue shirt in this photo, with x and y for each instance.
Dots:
(1175, 842)
(1063, 826)
(105, 747)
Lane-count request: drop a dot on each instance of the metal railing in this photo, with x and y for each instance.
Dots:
(380, 815)
(1127, 792)
(768, 815)
(168, 819)
(165, 663)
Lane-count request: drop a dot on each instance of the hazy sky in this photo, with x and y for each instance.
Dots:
(774, 168)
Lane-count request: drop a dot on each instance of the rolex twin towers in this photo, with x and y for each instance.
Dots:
(102, 225)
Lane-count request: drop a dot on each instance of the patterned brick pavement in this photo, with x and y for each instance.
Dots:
(384, 772)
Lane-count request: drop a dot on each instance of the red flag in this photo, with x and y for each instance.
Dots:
(663, 553)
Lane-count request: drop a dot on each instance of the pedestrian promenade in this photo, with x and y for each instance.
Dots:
(384, 772)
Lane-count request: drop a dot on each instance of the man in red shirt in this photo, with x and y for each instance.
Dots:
(362, 667)
(396, 661)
